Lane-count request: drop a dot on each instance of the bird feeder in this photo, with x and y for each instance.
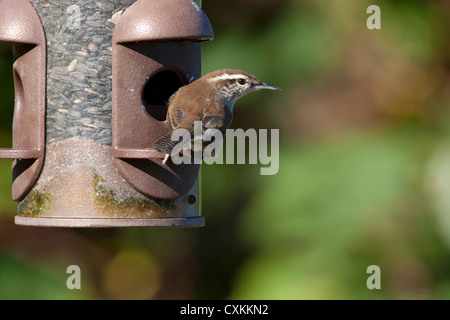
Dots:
(92, 80)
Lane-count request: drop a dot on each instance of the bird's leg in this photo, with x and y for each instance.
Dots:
(166, 158)
(185, 151)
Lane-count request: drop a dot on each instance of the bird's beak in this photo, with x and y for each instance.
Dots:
(266, 86)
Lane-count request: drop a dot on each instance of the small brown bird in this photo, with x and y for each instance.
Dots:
(209, 99)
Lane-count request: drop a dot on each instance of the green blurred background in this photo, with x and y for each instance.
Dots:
(364, 175)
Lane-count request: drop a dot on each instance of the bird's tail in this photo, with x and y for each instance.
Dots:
(184, 132)
(167, 142)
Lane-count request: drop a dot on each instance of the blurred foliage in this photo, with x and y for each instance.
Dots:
(363, 179)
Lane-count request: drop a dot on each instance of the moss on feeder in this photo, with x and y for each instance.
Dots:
(34, 204)
(108, 200)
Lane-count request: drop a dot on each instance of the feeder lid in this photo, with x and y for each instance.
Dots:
(19, 22)
(150, 20)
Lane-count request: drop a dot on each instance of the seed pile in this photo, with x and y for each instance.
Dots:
(79, 89)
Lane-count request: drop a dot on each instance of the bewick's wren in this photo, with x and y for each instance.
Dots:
(209, 99)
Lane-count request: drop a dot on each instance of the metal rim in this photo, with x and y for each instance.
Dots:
(110, 223)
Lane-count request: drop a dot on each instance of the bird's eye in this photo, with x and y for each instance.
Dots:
(241, 81)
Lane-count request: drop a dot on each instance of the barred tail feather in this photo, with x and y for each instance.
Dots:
(165, 143)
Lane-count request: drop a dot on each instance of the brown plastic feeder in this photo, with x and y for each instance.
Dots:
(100, 170)
(20, 25)
(156, 50)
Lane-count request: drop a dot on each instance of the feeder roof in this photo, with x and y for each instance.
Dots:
(150, 20)
(19, 22)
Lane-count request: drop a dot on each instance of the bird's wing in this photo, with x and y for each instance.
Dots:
(177, 116)
(212, 122)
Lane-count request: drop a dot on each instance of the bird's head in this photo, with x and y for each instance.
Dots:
(233, 84)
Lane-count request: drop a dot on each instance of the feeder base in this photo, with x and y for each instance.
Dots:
(109, 223)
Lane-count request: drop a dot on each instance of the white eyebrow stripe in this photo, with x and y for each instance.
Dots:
(227, 76)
